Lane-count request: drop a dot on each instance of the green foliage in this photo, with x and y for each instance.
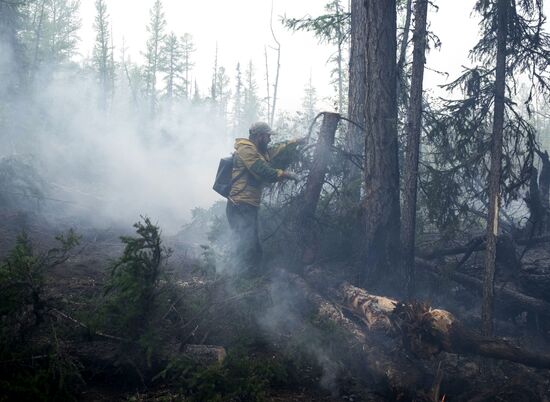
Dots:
(40, 375)
(133, 290)
(51, 33)
(331, 27)
(22, 281)
(239, 378)
(173, 64)
(153, 54)
(30, 370)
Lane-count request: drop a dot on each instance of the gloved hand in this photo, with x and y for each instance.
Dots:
(287, 175)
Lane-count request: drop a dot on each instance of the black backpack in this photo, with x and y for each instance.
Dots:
(222, 184)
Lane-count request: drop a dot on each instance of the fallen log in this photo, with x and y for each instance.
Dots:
(479, 245)
(205, 354)
(426, 331)
(504, 294)
(382, 366)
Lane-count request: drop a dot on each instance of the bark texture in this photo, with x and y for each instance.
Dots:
(544, 180)
(544, 190)
(496, 167)
(403, 53)
(381, 206)
(414, 126)
(355, 137)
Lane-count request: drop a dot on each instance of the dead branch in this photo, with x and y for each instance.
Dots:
(81, 324)
(479, 243)
(504, 294)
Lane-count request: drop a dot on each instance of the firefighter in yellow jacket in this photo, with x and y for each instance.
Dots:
(255, 164)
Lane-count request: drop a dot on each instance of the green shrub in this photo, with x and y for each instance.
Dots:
(22, 282)
(134, 295)
(34, 364)
(134, 280)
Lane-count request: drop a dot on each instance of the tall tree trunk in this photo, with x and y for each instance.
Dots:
(37, 40)
(414, 126)
(544, 187)
(339, 38)
(277, 70)
(381, 207)
(356, 108)
(494, 175)
(268, 97)
(403, 53)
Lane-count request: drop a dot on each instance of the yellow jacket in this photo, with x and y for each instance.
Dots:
(258, 169)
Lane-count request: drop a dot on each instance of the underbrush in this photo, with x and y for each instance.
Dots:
(133, 329)
(34, 361)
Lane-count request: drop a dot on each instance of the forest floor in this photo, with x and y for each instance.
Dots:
(76, 288)
(266, 360)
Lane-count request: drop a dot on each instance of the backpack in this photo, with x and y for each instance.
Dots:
(224, 181)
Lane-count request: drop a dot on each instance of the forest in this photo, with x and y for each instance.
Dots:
(408, 258)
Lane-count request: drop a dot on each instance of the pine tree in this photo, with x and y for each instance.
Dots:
(414, 128)
(466, 133)
(223, 91)
(309, 101)
(62, 29)
(172, 65)
(153, 60)
(238, 123)
(103, 51)
(11, 21)
(214, 85)
(332, 28)
(354, 141)
(51, 35)
(251, 101)
(381, 207)
(339, 71)
(196, 95)
(188, 48)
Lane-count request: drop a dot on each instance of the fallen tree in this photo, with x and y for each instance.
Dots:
(502, 293)
(382, 365)
(424, 331)
(475, 244)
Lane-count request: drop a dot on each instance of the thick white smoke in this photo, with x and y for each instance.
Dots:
(113, 164)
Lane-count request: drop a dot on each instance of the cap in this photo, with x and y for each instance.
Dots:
(260, 127)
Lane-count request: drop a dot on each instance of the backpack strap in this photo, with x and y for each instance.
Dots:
(234, 180)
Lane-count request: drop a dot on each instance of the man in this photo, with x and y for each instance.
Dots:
(255, 164)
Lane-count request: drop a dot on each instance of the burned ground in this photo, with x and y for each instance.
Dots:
(287, 336)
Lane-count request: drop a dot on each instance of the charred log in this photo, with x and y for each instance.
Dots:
(426, 331)
(383, 365)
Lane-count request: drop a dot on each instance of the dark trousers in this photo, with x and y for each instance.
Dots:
(243, 221)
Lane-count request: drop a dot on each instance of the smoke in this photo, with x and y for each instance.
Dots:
(109, 165)
(286, 315)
